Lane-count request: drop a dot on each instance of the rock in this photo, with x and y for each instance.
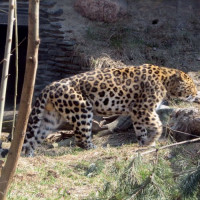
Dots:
(102, 10)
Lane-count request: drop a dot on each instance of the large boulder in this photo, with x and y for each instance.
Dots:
(102, 10)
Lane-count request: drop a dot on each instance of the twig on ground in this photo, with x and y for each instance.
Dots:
(181, 132)
(168, 146)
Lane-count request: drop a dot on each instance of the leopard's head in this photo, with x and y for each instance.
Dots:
(181, 86)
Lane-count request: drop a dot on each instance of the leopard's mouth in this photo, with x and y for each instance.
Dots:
(192, 98)
(197, 98)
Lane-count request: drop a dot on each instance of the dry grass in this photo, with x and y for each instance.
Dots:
(104, 61)
(74, 174)
(67, 176)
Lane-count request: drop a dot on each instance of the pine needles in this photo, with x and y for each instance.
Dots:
(140, 180)
(166, 175)
(190, 184)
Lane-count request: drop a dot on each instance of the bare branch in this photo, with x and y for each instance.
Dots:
(168, 146)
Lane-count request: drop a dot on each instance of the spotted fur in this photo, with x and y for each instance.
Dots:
(134, 91)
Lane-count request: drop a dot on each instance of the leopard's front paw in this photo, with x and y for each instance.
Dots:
(87, 146)
(144, 140)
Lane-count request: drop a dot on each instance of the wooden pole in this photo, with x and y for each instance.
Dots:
(6, 61)
(16, 70)
(26, 98)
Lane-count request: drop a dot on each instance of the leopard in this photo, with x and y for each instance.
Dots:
(136, 91)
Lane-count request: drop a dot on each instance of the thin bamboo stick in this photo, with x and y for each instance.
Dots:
(16, 69)
(4, 78)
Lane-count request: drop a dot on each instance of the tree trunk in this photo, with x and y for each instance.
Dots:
(26, 98)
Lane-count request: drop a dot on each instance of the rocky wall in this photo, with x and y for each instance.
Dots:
(58, 57)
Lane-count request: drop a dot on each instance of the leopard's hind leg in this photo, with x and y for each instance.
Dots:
(83, 128)
(77, 110)
(36, 133)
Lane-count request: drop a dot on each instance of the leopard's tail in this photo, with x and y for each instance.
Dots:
(3, 152)
(34, 119)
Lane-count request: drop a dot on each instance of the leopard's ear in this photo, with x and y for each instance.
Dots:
(177, 76)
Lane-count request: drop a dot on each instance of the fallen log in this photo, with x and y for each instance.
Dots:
(184, 124)
(8, 120)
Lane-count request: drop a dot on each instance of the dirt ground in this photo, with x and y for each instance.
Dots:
(160, 32)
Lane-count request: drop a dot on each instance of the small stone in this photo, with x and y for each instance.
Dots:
(198, 58)
(154, 48)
